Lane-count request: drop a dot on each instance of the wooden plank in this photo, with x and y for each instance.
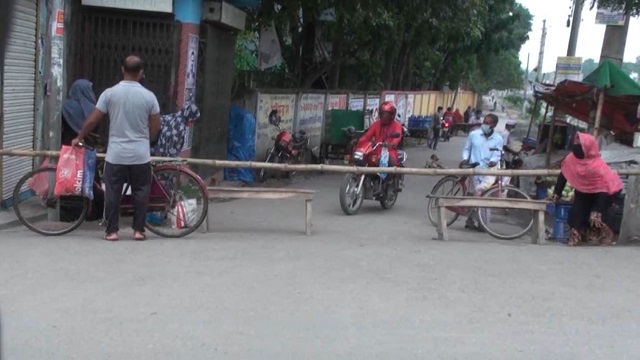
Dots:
(538, 233)
(308, 224)
(260, 189)
(259, 193)
(443, 234)
(497, 203)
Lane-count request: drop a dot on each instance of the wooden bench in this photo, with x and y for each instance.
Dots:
(539, 207)
(263, 193)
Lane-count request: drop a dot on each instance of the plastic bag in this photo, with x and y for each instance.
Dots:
(89, 173)
(70, 171)
(184, 214)
(39, 184)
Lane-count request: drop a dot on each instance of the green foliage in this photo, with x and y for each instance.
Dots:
(404, 45)
(515, 100)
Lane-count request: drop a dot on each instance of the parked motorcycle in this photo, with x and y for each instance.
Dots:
(380, 187)
(287, 148)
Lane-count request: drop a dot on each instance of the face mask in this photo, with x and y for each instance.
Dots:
(577, 150)
(486, 129)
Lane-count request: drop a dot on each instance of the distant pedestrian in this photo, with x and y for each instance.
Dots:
(436, 125)
(134, 115)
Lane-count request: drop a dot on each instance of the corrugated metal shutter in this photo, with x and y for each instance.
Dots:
(19, 78)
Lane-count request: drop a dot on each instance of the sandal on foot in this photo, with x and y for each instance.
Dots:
(139, 236)
(110, 237)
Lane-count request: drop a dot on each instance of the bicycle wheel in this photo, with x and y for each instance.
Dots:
(178, 202)
(40, 211)
(447, 186)
(506, 224)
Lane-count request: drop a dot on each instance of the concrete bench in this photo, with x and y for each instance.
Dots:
(263, 193)
(539, 208)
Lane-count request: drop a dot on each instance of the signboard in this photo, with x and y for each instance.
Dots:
(606, 16)
(310, 117)
(59, 24)
(568, 68)
(356, 102)
(337, 102)
(390, 97)
(371, 113)
(165, 6)
(285, 104)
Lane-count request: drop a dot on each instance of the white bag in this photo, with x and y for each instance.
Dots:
(184, 214)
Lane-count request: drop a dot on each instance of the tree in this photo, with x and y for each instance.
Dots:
(386, 44)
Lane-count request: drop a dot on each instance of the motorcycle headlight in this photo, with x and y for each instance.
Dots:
(358, 155)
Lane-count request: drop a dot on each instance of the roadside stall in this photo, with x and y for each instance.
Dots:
(605, 103)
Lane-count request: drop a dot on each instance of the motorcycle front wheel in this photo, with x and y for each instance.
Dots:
(350, 198)
(389, 200)
(263, 174)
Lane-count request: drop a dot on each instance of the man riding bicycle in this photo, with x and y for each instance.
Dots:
(478, 150)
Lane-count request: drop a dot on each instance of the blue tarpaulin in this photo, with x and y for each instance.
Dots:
(242, 143)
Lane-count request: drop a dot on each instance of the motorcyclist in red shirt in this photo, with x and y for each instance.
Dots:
(381, 130)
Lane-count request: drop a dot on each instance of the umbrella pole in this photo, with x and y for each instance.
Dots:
(533, 113)
(596, 126)
(541, 126)
(552, 130)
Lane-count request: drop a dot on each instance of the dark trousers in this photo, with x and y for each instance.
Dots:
(139, 179)
(434, 141)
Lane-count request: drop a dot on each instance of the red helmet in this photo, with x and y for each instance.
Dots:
(387, 112)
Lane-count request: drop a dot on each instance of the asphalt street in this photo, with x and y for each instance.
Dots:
(370, 286)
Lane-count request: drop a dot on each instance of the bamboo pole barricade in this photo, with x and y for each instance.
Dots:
(325, 168)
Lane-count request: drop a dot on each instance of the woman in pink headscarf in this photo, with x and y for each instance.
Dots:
(595, 186)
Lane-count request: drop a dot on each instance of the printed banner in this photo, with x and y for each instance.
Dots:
(190, 83)
(310, 117)
(410, 104)
(337, 102)
(356, 102)
(371, 113)
(401, 105)
(285, 104)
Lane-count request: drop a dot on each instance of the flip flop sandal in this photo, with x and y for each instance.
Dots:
(140, 237)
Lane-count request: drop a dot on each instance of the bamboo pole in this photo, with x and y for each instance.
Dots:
(533, 115)
(324, 168)
(552, 130)
(596, 126)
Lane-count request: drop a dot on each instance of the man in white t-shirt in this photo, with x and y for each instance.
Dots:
(134, 115)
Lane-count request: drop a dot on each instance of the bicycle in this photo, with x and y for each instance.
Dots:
(171, 202)
(459, 187)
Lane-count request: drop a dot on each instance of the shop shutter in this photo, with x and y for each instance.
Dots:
(19, 93)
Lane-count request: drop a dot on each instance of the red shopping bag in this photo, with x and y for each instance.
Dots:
(70, 171)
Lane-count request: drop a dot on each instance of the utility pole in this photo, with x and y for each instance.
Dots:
(575, 27)
(526, 86)
(541, 55)
(615, 40)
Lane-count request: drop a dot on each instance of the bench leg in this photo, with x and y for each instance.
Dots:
(308, 224)
(538, 235)
(204, 228)
(442, 224)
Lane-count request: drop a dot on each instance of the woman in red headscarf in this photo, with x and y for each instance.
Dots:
(595, 186)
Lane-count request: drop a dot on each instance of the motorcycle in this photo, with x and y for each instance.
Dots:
(445, 133)
(380, 187)
(287, 148)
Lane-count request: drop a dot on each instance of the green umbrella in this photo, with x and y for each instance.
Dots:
(610, 77)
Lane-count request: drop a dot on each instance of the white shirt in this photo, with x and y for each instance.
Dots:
(476, 150)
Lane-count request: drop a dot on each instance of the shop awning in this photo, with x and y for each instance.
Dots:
(610, 77)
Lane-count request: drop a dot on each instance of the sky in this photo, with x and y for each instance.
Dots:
(589, 40)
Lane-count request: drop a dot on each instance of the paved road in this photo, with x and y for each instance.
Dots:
(372, 286)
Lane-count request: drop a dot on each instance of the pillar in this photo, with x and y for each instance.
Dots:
(189, 14)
